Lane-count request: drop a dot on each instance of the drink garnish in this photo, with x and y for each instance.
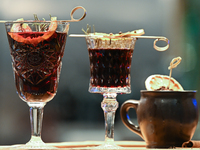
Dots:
(173, 64)
(88, 32)
(22, 26)
(159, 82)
(138, 34)
(48, 30)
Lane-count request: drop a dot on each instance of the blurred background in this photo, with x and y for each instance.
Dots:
(75, 114)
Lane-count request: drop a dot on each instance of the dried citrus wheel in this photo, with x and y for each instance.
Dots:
(18, 28)
(161, 82)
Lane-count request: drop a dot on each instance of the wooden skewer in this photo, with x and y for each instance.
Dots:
(2, 21)
(71, 15)
(142, 37)
(157, 38)
(173, 64)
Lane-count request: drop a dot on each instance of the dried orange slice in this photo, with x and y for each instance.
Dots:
(16, 35)
(161, 82)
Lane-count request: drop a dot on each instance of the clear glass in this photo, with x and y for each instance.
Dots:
(36, 50)
(110, 67)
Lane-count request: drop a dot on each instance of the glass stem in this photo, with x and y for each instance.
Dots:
(109, 106)
(36, 117)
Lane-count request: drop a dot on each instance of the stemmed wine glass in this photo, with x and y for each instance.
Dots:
(110, 67)
(37, 48)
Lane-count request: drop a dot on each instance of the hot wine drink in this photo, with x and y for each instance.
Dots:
(37, 66)
(110, 67)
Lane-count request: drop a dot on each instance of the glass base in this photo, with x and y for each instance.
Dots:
(108, 145)
(33, 147)
(94, 89)
(34, 143)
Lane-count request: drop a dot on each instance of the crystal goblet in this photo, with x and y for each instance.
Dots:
(36, 48)
(110, 67)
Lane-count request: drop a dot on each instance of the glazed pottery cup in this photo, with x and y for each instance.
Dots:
(165, 118)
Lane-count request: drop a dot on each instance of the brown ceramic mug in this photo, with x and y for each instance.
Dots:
(165, 118)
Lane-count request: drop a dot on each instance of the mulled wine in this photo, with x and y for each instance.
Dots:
(110, 68)
(37, 66)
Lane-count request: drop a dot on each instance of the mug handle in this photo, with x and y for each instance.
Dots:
(125, 117)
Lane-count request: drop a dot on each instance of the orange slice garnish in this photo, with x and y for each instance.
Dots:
(17, 27)
(161, 82)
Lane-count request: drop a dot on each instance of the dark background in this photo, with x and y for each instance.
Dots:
(75, 114)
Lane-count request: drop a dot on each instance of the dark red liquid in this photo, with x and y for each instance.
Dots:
(110, 67)
(37, 67)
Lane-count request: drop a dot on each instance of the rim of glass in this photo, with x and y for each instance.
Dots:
(36, 21)
(111, 37)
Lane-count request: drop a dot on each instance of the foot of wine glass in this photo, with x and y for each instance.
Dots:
(109, 106)
(36, 117)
